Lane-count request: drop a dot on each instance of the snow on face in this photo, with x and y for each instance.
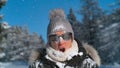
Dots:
(59, 28)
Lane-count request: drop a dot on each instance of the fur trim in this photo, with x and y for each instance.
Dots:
(56, 13)
(33, 56)
(92, 52)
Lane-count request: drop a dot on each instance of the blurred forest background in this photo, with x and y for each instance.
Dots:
(98, 27)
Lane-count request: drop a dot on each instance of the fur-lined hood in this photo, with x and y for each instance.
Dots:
(35, 54)
(93, 53)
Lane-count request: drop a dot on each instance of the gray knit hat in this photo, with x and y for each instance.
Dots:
(58, 22)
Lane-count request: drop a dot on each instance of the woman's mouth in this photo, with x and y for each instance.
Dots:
(62, 49)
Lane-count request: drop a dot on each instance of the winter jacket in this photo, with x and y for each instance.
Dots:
(78, 56)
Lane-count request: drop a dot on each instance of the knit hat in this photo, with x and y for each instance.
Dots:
(58, 22)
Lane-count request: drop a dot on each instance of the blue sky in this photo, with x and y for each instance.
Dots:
(34, 13)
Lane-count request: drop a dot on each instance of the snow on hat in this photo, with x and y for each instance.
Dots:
(58, 22)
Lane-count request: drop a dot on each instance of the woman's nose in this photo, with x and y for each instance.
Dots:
(60, 40)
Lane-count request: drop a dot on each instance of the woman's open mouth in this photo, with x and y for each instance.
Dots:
(62, 49)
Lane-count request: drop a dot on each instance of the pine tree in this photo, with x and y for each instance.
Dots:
(2, 3)
(71, 16)
(90, 12)
(76, 25)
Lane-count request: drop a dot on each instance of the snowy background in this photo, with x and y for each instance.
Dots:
(24, 65)
(13, 65)
(98, 27)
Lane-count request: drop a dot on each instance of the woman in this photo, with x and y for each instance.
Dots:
(62, 50)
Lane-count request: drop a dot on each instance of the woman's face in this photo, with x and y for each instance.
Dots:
(61, 41)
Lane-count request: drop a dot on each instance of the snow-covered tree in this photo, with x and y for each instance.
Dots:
(99, 29)
(18, 43)
(90, 12)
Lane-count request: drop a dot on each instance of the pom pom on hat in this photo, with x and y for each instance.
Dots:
(56, 13)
